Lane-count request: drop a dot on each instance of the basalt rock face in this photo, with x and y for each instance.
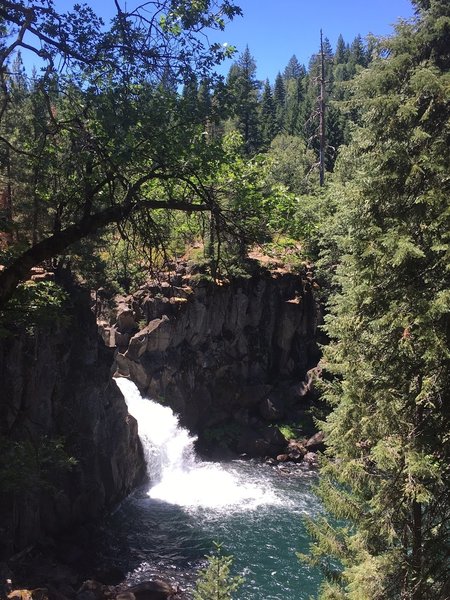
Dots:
(57, 400)
(230, 359)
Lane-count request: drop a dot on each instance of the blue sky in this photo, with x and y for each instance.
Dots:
(276, 29)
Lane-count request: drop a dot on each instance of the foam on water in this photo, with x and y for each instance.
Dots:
(176, 475)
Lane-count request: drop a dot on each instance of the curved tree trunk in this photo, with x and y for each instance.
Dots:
(54, 245)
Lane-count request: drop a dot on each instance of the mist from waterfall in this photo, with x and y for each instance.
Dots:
(176, 475)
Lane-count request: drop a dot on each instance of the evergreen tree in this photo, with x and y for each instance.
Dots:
(294, 70)
(268, 115)
(341, 71)
(293, 123)
(328, 50)
(243, 90)
(215, 582)
(357, 54)
(386, 476)
(190, 97)
(279, 96)
(342, 51)
(204, 99)
(293, 77)
(219, 107)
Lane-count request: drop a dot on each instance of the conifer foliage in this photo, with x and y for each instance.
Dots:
(215, 581)
(385, 479)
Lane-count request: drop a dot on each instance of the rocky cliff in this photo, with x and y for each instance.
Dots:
(230, 358)
(69, 448)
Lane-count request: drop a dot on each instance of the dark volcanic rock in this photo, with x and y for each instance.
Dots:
(272, 408)
(152, 590)
(57, 392)
(214, 350)
(261, 442)
(316, 443)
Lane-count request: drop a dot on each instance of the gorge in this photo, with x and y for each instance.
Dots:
(209, 211)
(232, 360)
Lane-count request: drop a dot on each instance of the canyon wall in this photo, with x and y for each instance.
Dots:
(230, 358)
(69, 448)
(233, 359)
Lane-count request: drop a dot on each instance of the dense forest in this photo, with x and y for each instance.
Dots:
(123, 151)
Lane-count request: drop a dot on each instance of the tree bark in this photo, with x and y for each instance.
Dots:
(416, 593)
(322, 138)
(6, 205)
(417, 525)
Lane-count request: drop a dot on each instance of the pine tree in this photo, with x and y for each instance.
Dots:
(294, 70)
(268, 115)
(190, 100)
(293, 122)
(243, 89)
(357, 54)
(342, 51)
(293, 77)
(279, 96)
(204, 100)
(215, 581)
(386, 477)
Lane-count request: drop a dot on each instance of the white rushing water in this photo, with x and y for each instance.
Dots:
(176, 475)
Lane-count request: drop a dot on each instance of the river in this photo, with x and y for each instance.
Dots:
(255, 510)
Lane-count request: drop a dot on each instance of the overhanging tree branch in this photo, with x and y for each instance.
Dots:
(107, 124)
(60, 241)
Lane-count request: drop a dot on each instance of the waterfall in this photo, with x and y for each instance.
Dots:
(176, 475)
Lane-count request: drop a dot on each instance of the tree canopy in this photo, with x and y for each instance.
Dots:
(385, 480)
(102, 138)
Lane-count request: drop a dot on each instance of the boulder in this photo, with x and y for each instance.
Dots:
(122, 366)
(311, 458)
(107, 333)
(312, 377)
(153, 590)
(296, 451)
(158, 334)
(137, 345)
(138, 374)
(20, 595)
(282, 458)
(24, 594)
(121, 339)
(43, 277)
(126, 322)
(316, 442)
